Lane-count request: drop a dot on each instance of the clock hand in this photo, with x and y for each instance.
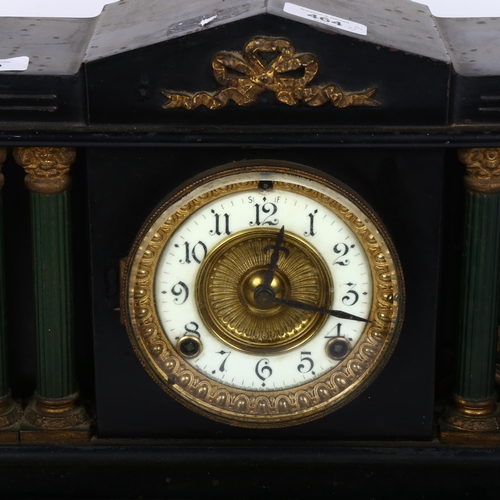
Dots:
(323, 310)
(271, 269)
(264, 294)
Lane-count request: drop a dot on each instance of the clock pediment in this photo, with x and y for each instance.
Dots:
(153, 86)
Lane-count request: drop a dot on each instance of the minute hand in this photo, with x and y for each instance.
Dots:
(323, 310)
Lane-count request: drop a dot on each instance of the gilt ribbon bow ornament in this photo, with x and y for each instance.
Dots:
(245, 75)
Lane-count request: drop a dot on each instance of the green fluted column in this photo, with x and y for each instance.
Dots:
(475, 400)
(53, 295)
(9, 411)
(55, 406)
(479, 311)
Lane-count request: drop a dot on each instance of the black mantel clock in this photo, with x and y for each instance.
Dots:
(249, 252)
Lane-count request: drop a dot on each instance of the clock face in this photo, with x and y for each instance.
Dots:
(263, 296)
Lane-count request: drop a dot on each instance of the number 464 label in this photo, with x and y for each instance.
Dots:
(321, 17)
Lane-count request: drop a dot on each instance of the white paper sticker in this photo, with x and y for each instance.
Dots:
(321, 17)
(14, 64)
(53, 8)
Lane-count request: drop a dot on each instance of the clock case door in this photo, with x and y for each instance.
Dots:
(404, 188)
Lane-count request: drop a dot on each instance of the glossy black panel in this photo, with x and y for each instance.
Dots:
(475, 100)
(43, 99)
(126, 185)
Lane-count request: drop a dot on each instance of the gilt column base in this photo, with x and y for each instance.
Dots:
(54, 420)
(471, 422)
(10, 415)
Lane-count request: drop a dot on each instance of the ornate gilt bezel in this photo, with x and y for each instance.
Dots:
(256, 408)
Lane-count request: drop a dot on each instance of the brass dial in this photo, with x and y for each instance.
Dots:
(232, 300)
(263, 296)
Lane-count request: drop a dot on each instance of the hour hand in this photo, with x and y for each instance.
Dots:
(276, 248)
(322, 310)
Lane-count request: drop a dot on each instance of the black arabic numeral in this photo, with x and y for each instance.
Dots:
(222, 366)
(219, 223)
(341, 249)
(192, 328)
(311, 225)
(263, 370)
(198, 252)
(304, 357)
(267, 208)
(181, 292)
(351, 297)
(337, 334)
